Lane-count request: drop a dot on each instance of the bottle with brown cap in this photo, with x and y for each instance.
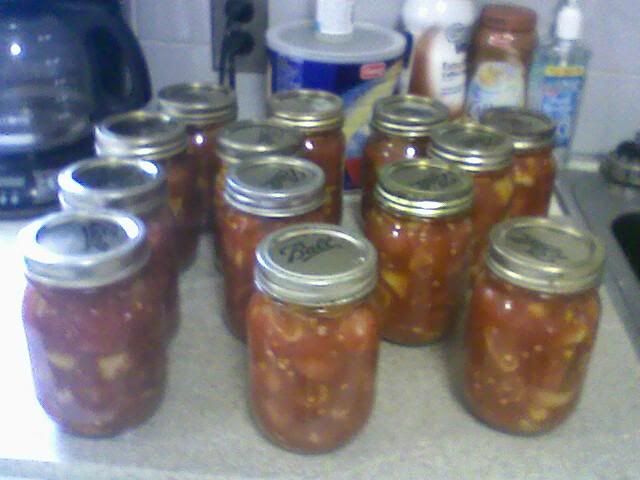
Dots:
(502, 50)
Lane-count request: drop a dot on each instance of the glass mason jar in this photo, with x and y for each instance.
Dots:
(244, 139)
(488, 156)
(401, 127)
(158, 138)
(504, 41)
(90, 315)
(138, 187)
(319, 116)
(532, 324)
(313, 337)
(261, 196)
(421, 226)
(204, 108)
(534, 164)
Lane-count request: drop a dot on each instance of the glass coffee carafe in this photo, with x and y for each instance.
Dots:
(64, 64)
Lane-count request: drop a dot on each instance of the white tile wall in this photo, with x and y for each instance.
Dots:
(175, 35)
(176, 38)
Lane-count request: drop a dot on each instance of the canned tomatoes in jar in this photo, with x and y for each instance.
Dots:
(245, 139)
(319, 116)
(261, 196)
(204, 108)
(313, 337)
(532, 324)
(158, 138)
(90, 316)
(487, 155)
(421, 226)
(140, 188)
(534, 164)
(401, 127)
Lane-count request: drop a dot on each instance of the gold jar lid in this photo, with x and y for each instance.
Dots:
(248, 138)
(199, 103)
(408, 115)
(141, 134)
(275, 186)
(424, 188)
(307, 109)
(316, 264)
(528, 129)
(545, 255)
(472, 147)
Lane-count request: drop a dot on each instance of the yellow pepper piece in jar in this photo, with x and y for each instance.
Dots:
(399, 283)
(112, 366)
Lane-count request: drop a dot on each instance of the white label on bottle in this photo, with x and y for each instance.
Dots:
(448, 63)
(496, 84)
(438, 65)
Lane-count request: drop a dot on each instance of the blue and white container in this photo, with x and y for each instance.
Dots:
(359, 62)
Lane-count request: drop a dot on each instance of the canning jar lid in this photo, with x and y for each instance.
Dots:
(199, 103)
(137, 186)
(141, 134)
(80, 249)
(472, 147)
(247, 138)
(275, 186)
(315, 264)
(528, 129)
(424, 188)
(408, 115)
(307, 109)
(545, 255)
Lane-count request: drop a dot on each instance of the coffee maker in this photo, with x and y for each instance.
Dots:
(64, 65)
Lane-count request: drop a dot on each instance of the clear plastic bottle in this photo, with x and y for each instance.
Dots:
(558, 75)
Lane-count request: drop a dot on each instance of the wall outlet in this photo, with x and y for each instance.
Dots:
(256, 61)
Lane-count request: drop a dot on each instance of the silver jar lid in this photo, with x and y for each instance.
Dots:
(137, 186)
(199, 103)
(528, 129)
(315, 264)
(247, 138)
(275, 186)
(545, 255)
(424, 188)
(408, 115)
(141, 134)
(80, 249)
(472, 147)
(307, 109)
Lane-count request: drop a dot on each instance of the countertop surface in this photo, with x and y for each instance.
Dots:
(419, 428)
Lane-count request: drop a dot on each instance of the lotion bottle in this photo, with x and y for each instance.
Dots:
(438, 33)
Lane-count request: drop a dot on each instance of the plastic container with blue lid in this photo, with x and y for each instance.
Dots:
(360, 62)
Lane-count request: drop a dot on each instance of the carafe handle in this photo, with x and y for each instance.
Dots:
(120, 77)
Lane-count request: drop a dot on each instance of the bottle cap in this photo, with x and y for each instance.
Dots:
(569, 22)
(335, 17)
(506, 17)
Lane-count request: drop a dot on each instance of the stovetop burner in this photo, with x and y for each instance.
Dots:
(623, 165)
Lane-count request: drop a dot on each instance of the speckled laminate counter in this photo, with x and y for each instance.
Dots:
(418, 429)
